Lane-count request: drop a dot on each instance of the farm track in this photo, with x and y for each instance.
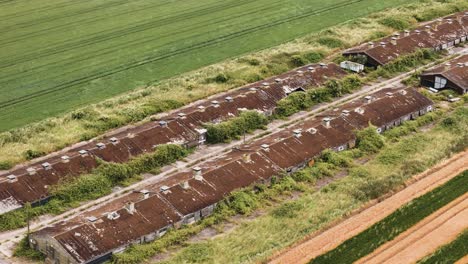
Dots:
(425, 237)
(145, 61)
(324, 241)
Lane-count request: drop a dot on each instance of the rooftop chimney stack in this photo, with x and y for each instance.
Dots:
(406, 33)
(101, 145)
(65, 159)
(265, 147)
(130, 207)
(31, 171)
(368, 99)
(46, 166)
(12, 178)
(164, 189)
(185, 185)
(197, 173)
(326, 122)
(394, 41)
(145, 193)
(297, 133)
(397, 35)
(114, 140)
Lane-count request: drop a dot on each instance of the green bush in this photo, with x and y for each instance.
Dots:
(287, 210)
(369, 140)
(314, 56)
(5, 165)
(246, 122)
(24, 250)
(395, 23)
(32, 154)
(330, 42)
(297, 61)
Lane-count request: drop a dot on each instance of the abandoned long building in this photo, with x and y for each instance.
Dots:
(440, 34)
(452, 75)
(147, 214)
(185, 127)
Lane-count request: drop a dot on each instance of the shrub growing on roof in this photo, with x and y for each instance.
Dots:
(369, 140)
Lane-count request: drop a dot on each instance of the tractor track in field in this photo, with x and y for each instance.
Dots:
(323, 241)
(434, 231)
(196, 46)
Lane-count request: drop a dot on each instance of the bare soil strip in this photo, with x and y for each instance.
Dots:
(425, 237)
(324, 241)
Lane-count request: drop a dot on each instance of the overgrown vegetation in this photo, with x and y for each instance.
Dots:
(23, 250)
(55, 133)
(298, 101)
(449, 253)
(391, 226)
(246, 122)
(71, 192)
(254, 241)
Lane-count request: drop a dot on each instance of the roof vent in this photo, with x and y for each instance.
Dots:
(417, 31)
(185, 185)
(394, 41)
(297, 133)
(449, 20)
(396, 35)
(388, 93)
(130, 207)
(83, 152)
(197, 173)
(265, 146)
(460, 64)
(326, 122)
(368, 99)
(31, 171)
(164, 188)
(215, 103)
(428, 28)
(181, 115)
(300, 72)
(265, 84)
(113, 215)
(403, 92)
(65, 158)
(252, 89)
(383, 44)
(113, 140)
(12, 178)
(229, 99)
(145, 193)
(323, 65)
(312, 130)
(162, 123)
(91, 219)
(359, 110)
(278, 80)
(345, 112)
(406, 33)
(370, 44)
(101, 145)
(311, 68)
(46, 166)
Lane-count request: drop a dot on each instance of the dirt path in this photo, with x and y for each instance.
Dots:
(425, 237)
(321, 242)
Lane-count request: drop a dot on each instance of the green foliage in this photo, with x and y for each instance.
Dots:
(297, 61)
(369, 140)
(450, 253)
(32, 154)
(314, 56)
(246, 122)
(397, 23)
(5, 165)
(288, 210)
(24, 250)
(334, 158)
(86, 187)
(330, 42)
(396, 223)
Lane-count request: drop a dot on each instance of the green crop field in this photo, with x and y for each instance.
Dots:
(59, 54)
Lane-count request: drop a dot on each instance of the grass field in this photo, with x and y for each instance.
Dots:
(60, 54)
(391, 226)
